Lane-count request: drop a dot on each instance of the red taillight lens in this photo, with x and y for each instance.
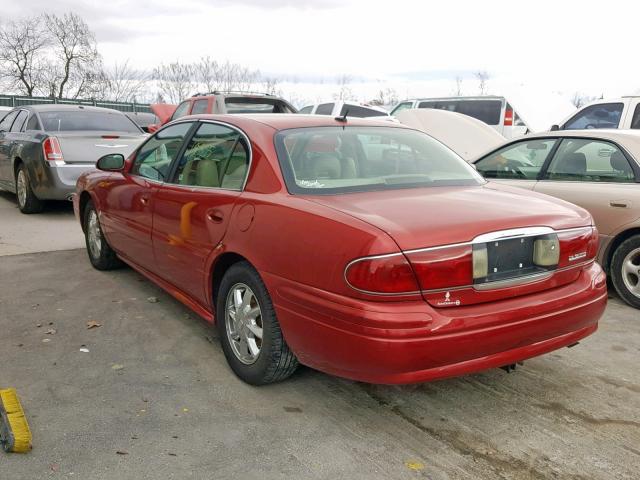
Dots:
(52, 150)
(577, 246)
(443, 267)
(387, 275)
(508, 117)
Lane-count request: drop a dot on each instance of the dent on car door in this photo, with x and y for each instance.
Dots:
(596, 175)
(129, 197)
(517, 164)
(193, 210)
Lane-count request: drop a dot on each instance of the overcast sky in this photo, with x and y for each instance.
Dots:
(412, 45)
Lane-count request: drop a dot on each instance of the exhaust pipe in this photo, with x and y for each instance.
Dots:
(70, 197)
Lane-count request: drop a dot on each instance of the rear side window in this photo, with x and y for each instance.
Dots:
(18, 123)
(324, 109)
(154, 158)
(181, 111)
(585, 160)
(217, 157)
(199, 106)
(33, 123)
(86, 120)
(487, 111)
(604, 115)
(6, 122)
(360, 112)
(635, 122)
(522, 161)
(306, 109)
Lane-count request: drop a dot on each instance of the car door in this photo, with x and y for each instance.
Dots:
(6, 173)
(127, 216)
(518, 164)
(596, 175)
(193, 210)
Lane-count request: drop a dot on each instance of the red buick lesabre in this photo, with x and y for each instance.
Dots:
(360, 248)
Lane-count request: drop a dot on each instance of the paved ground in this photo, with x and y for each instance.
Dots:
(155, 387)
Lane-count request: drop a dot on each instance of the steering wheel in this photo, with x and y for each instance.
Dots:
(590, 126)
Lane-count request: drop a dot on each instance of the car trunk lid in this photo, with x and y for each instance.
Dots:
(87, 147)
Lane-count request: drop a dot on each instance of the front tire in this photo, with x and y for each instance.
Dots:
(101, 255)
(27, 200)
(625, 270)
(249, 330)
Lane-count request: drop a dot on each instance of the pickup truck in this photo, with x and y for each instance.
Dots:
(619, 113)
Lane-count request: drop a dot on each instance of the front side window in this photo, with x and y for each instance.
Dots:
(154, 158)
(522, 161)
(18, 123)
(329, 160)
(635, 122)
(217, 157)
(585, 160)
(5, 124)
(200, 106)
(401, 106)
(306, 109)
(324, 109)
(78, 120)
(604, 115)
(182, 110)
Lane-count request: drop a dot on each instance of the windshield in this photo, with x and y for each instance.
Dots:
(326, 160)
(83, 120)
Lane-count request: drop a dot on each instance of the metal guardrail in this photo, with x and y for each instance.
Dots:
(17, 101)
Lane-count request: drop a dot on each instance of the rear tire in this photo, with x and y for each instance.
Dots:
(101, 255)
(27, 201)
(625, 270)
(249, 330)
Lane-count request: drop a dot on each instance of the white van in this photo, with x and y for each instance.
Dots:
(510, 118)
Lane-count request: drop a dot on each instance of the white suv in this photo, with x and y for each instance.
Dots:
(616, 113)
(339, 108)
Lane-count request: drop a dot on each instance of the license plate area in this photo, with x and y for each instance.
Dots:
(508, 259)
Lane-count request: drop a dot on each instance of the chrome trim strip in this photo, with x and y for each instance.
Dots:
(513, 282)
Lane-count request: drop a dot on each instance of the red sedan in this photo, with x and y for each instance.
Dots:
(360, 248)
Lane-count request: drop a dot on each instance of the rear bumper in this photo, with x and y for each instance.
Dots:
(58, 182)
(409, 342)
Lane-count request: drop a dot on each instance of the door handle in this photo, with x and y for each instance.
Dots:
(215, 217)
(619, 203)
(144, 200)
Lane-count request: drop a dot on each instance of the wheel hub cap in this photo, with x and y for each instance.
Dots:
(93, 235)
(631, 272)
(243, 320)
(22, 188)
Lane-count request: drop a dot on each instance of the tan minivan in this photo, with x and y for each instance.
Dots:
(595, 169)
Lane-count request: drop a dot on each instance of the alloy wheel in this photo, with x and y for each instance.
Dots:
(243, 320)
(94, 235)
(631, 272)
(22, 188)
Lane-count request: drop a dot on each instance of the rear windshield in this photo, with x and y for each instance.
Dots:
(82, 120)
(488, 111)
(256, 105)
(329, 160)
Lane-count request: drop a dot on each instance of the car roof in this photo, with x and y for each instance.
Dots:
(56, 107)
(282, 121)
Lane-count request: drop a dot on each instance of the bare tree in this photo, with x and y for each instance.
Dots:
(579, 99)
(344, 89)
(458, 86)
(386, 96)
(483, 78)
(22, 46)
(207, 72)
(77, 61)
(270, 86)
(123, 83)
(237, 77)
(176, 81)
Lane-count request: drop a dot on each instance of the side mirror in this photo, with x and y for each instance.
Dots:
(113, 162)
(554, 128)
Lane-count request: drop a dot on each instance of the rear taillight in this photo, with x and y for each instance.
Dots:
(508, 117)
(52, 150)
(577, 246)
(389, 274)
(441, 268)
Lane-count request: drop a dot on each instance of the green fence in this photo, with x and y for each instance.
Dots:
(17, 101)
